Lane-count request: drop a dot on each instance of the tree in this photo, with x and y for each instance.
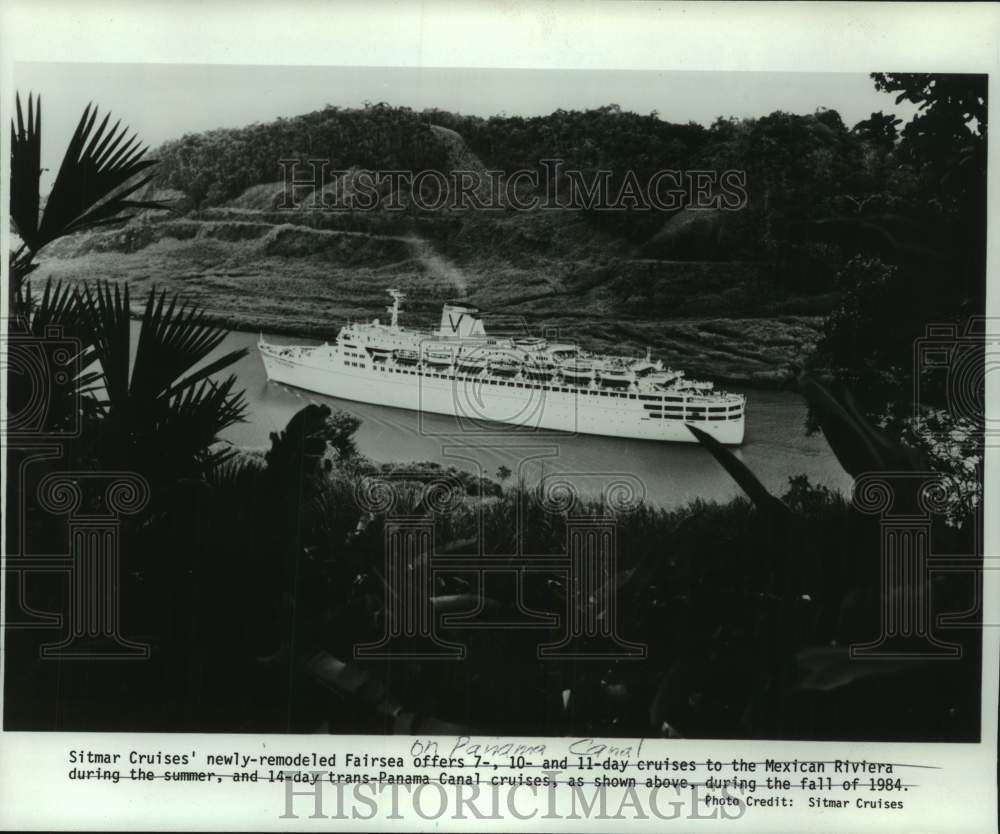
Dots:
(157, 413)
(879, 129)
(932, 271)
(162, 411)
(951, 108)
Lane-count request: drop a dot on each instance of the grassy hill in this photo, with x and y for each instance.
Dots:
(252, 265)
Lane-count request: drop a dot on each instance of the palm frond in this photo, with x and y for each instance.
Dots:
(57, 308)
(855, 442)
(174, 339)
(26, 170)
(106, 315)
(159, 411)
(97, 175)
(206, 371)
(742, 474)
(235, 475)
(204, 411)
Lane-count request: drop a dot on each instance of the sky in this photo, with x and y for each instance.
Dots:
(165, 101)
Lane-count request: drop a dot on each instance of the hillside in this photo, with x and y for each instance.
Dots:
(693, 285)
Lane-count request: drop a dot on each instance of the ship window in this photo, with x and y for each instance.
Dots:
(631, 396)
(716, 418)
(674, 399)
(656, 416)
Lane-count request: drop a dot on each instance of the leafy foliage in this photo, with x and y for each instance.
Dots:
(218, 165)
(253, 575)
(930, 272)
(161, 411)
(98, 174)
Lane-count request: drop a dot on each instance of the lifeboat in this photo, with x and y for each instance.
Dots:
(691, 385)
(471, 363)
(577, 374)
(539, 369)
(528, 342)
(438, 356)
(615, 375)
(504, 366)
(664, 377)
(643, 367)
(406, 357)
(379, 354)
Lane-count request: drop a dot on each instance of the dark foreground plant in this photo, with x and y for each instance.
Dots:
(98, 175)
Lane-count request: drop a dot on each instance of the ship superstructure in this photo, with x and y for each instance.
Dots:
(524, 381)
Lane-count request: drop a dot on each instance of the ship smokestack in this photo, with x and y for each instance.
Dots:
(459, 322)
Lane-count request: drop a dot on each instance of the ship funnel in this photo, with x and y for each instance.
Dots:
(460, 322)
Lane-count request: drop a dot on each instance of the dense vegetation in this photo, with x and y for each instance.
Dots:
(220, 164)
(875, 221)
(241, 572)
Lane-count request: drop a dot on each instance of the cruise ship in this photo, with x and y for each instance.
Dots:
(528, 382)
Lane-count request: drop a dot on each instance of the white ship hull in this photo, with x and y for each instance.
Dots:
(483, 398)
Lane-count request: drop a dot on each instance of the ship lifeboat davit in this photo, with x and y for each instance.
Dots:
(406, 357)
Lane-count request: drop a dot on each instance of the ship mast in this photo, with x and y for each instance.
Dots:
(397, 297)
